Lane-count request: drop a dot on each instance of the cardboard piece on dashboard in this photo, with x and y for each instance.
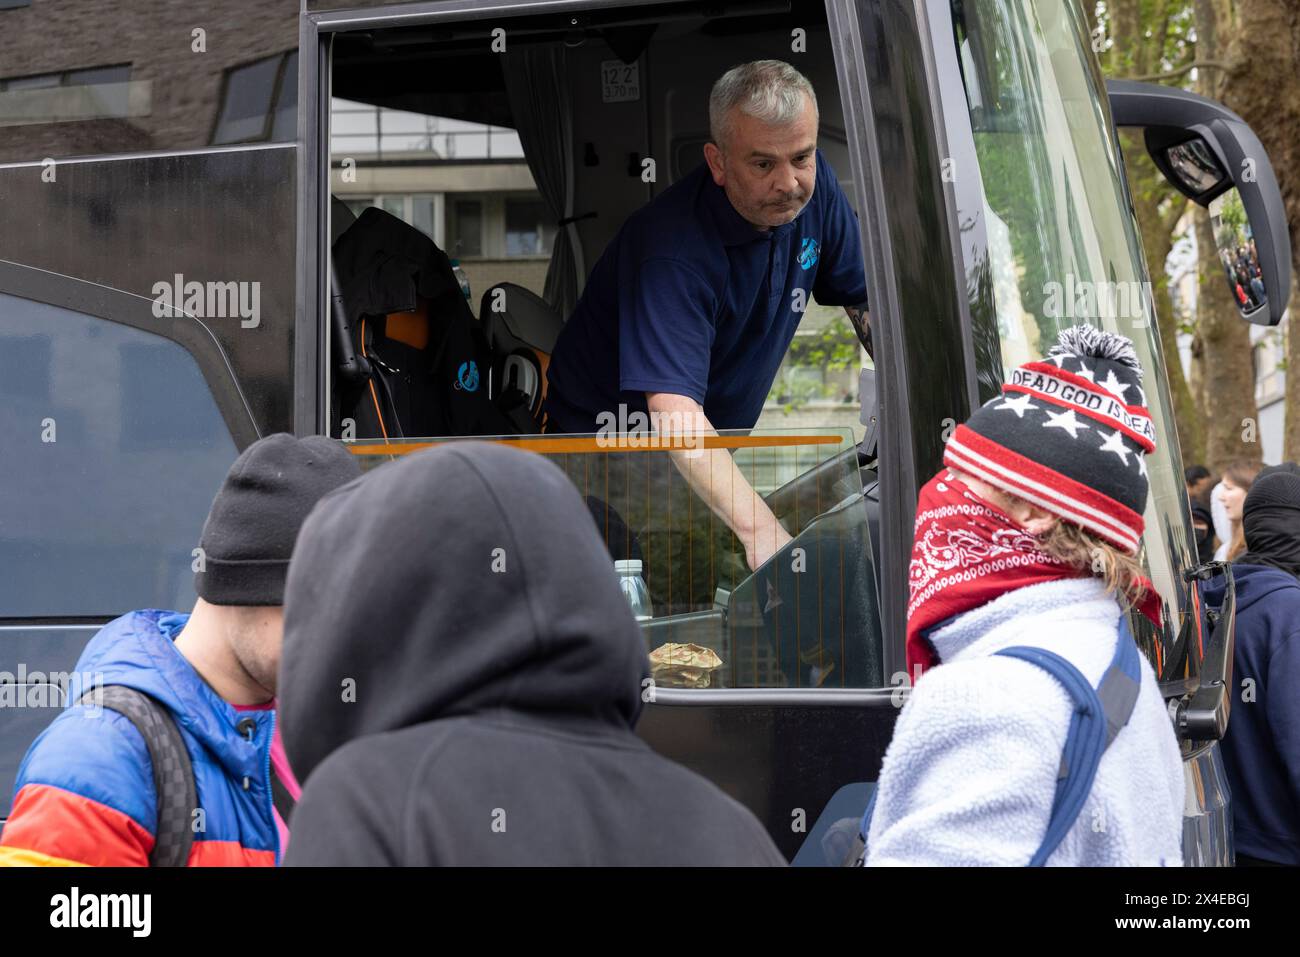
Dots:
(683, 665)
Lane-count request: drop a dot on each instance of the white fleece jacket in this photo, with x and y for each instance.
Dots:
(970, 773)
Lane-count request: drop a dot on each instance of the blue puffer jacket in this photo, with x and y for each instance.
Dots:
(1261, 751)
(85, 791)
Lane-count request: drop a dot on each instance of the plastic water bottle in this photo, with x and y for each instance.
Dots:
(634, 587)
(461, 278)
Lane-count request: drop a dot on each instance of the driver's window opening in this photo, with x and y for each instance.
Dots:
(473, 193)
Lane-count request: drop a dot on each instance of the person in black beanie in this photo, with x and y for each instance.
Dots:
(87, 792)
(1261, 749)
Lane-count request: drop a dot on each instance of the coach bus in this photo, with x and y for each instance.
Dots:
(174, 180)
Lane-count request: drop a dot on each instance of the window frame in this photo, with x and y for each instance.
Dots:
(898, 487)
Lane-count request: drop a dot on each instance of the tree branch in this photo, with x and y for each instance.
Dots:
(1161, 33)
(1179, 71)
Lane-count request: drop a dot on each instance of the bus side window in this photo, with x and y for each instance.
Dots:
(115, 448)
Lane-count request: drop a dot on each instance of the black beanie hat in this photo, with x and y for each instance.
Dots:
(1277, 486)
(1270, 519)
(256, 516)
(1069, 433)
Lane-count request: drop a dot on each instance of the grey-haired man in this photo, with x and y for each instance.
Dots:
(690, 310)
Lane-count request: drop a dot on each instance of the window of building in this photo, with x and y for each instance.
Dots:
(528, 232)
(259, 101)
(465, 228)
(88, 94)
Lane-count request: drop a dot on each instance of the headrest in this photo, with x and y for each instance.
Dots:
(526, 321)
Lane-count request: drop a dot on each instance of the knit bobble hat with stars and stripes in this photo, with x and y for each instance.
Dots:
(1069, 433)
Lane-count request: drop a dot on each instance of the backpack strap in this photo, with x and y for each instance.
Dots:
(281, 799)
(173, 774)
(1098, 716)
(1121, 683)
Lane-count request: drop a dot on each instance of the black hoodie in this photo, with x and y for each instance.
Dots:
(461, 677)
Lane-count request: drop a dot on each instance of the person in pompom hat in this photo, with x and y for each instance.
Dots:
(1261, 750)
(1030, 536)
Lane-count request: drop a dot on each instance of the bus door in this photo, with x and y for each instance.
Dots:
(518, 142)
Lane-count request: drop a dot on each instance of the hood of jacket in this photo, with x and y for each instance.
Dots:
(464, 578)
(1251, 584)
(137, 650)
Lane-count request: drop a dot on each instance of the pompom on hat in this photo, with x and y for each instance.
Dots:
(1069, 433)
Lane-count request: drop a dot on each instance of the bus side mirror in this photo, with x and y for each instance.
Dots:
(1212, 157)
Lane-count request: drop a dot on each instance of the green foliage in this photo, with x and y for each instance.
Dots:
(1232, 213)
(832, 348)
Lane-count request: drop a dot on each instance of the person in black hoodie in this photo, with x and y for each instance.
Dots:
(461, 677)
(1261, 749)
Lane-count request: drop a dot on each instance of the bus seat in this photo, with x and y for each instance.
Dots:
(427, 354)
(521, 330)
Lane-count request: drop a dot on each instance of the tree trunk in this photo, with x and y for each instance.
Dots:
(1196, 380)
(1291, 405)
(1229, 372)
(1262, 84)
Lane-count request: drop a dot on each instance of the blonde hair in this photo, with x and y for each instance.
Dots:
(1076, 547)
(1079, 548)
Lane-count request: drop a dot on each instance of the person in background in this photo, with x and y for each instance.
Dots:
(86, 793)
(1257, 287)
(1231, 492)
(1261, 749)
(1030, 537)
(1198, 479)
(1203, 530)
(466, 692)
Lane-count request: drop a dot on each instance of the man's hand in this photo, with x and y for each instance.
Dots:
(713, 475)
(764, 542)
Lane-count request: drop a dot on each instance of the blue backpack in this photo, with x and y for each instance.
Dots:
(1099, 713)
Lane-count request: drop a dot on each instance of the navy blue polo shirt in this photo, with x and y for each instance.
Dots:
(690, 298)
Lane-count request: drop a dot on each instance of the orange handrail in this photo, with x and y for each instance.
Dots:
(585, 445)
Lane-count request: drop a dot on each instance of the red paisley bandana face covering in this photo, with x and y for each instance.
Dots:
(965, 552)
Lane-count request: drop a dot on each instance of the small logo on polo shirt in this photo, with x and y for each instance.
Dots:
(467, 376)
(808, 253)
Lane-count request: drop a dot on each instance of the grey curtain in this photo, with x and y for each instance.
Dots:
(536, 83)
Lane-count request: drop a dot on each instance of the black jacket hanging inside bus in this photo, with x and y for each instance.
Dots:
(423, 358)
